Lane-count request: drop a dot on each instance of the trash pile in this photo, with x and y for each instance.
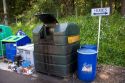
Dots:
(23, 61)
(16, 51)
(27, 70)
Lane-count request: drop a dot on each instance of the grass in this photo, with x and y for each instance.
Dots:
(112, 41)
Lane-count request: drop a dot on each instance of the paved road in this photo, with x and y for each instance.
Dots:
(12, 77)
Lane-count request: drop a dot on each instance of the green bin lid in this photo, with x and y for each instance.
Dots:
(12, 38)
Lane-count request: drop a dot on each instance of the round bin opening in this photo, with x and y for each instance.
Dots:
(86, 51)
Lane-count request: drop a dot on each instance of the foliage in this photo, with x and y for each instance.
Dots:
(22, 8)
(27, 28)
(112, 41)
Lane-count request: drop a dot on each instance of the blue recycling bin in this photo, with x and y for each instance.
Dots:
(89, 46)
(87, 60)
(11, 44)
(10, 51)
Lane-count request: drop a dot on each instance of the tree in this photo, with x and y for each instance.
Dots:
(123, 7)
(110, 5)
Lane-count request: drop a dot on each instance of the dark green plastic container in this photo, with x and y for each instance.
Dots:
(56, 59)
(57, 70)
(55, 47)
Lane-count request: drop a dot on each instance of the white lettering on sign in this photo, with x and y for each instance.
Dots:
(100, 11)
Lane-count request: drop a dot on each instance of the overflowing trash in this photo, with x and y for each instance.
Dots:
(29, 70)
(23, 61)
(11, 44)
(17, 52)
(26, 52)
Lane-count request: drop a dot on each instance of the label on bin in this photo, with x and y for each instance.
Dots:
(87, 67)
(73, 39)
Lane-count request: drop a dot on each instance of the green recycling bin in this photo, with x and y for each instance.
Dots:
(5, 31)
(55, 46)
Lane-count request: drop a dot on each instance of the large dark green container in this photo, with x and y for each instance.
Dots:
(55, 47)
(54, 69)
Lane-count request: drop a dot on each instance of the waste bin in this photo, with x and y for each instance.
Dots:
(5, 31)
(55, 46)
(87, 60)
(11, 44)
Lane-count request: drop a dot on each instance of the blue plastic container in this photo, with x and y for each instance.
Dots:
(10, 51)
(87, 60)
(89, 46)
(11, 44)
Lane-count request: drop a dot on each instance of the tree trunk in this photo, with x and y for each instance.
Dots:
(110, 5)
(68, 6)
(71, 7)
(123, 7)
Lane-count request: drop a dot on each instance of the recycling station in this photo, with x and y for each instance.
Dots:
(55, 50)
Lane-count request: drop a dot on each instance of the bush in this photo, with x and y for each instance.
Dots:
(112, 41)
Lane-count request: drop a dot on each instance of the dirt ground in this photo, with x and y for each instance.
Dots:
(105, 74)
(110, 74)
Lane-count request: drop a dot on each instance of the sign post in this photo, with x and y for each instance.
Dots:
(100, 12)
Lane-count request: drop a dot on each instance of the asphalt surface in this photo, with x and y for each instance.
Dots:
(13, 77)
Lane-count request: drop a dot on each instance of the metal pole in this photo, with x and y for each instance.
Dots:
(5, 12)
(100, 18)
(99, 29)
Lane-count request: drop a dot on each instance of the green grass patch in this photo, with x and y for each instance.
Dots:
(112, 41)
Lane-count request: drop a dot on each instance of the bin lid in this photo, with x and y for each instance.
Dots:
(86, 51)
(47, 18)
(13, 38)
